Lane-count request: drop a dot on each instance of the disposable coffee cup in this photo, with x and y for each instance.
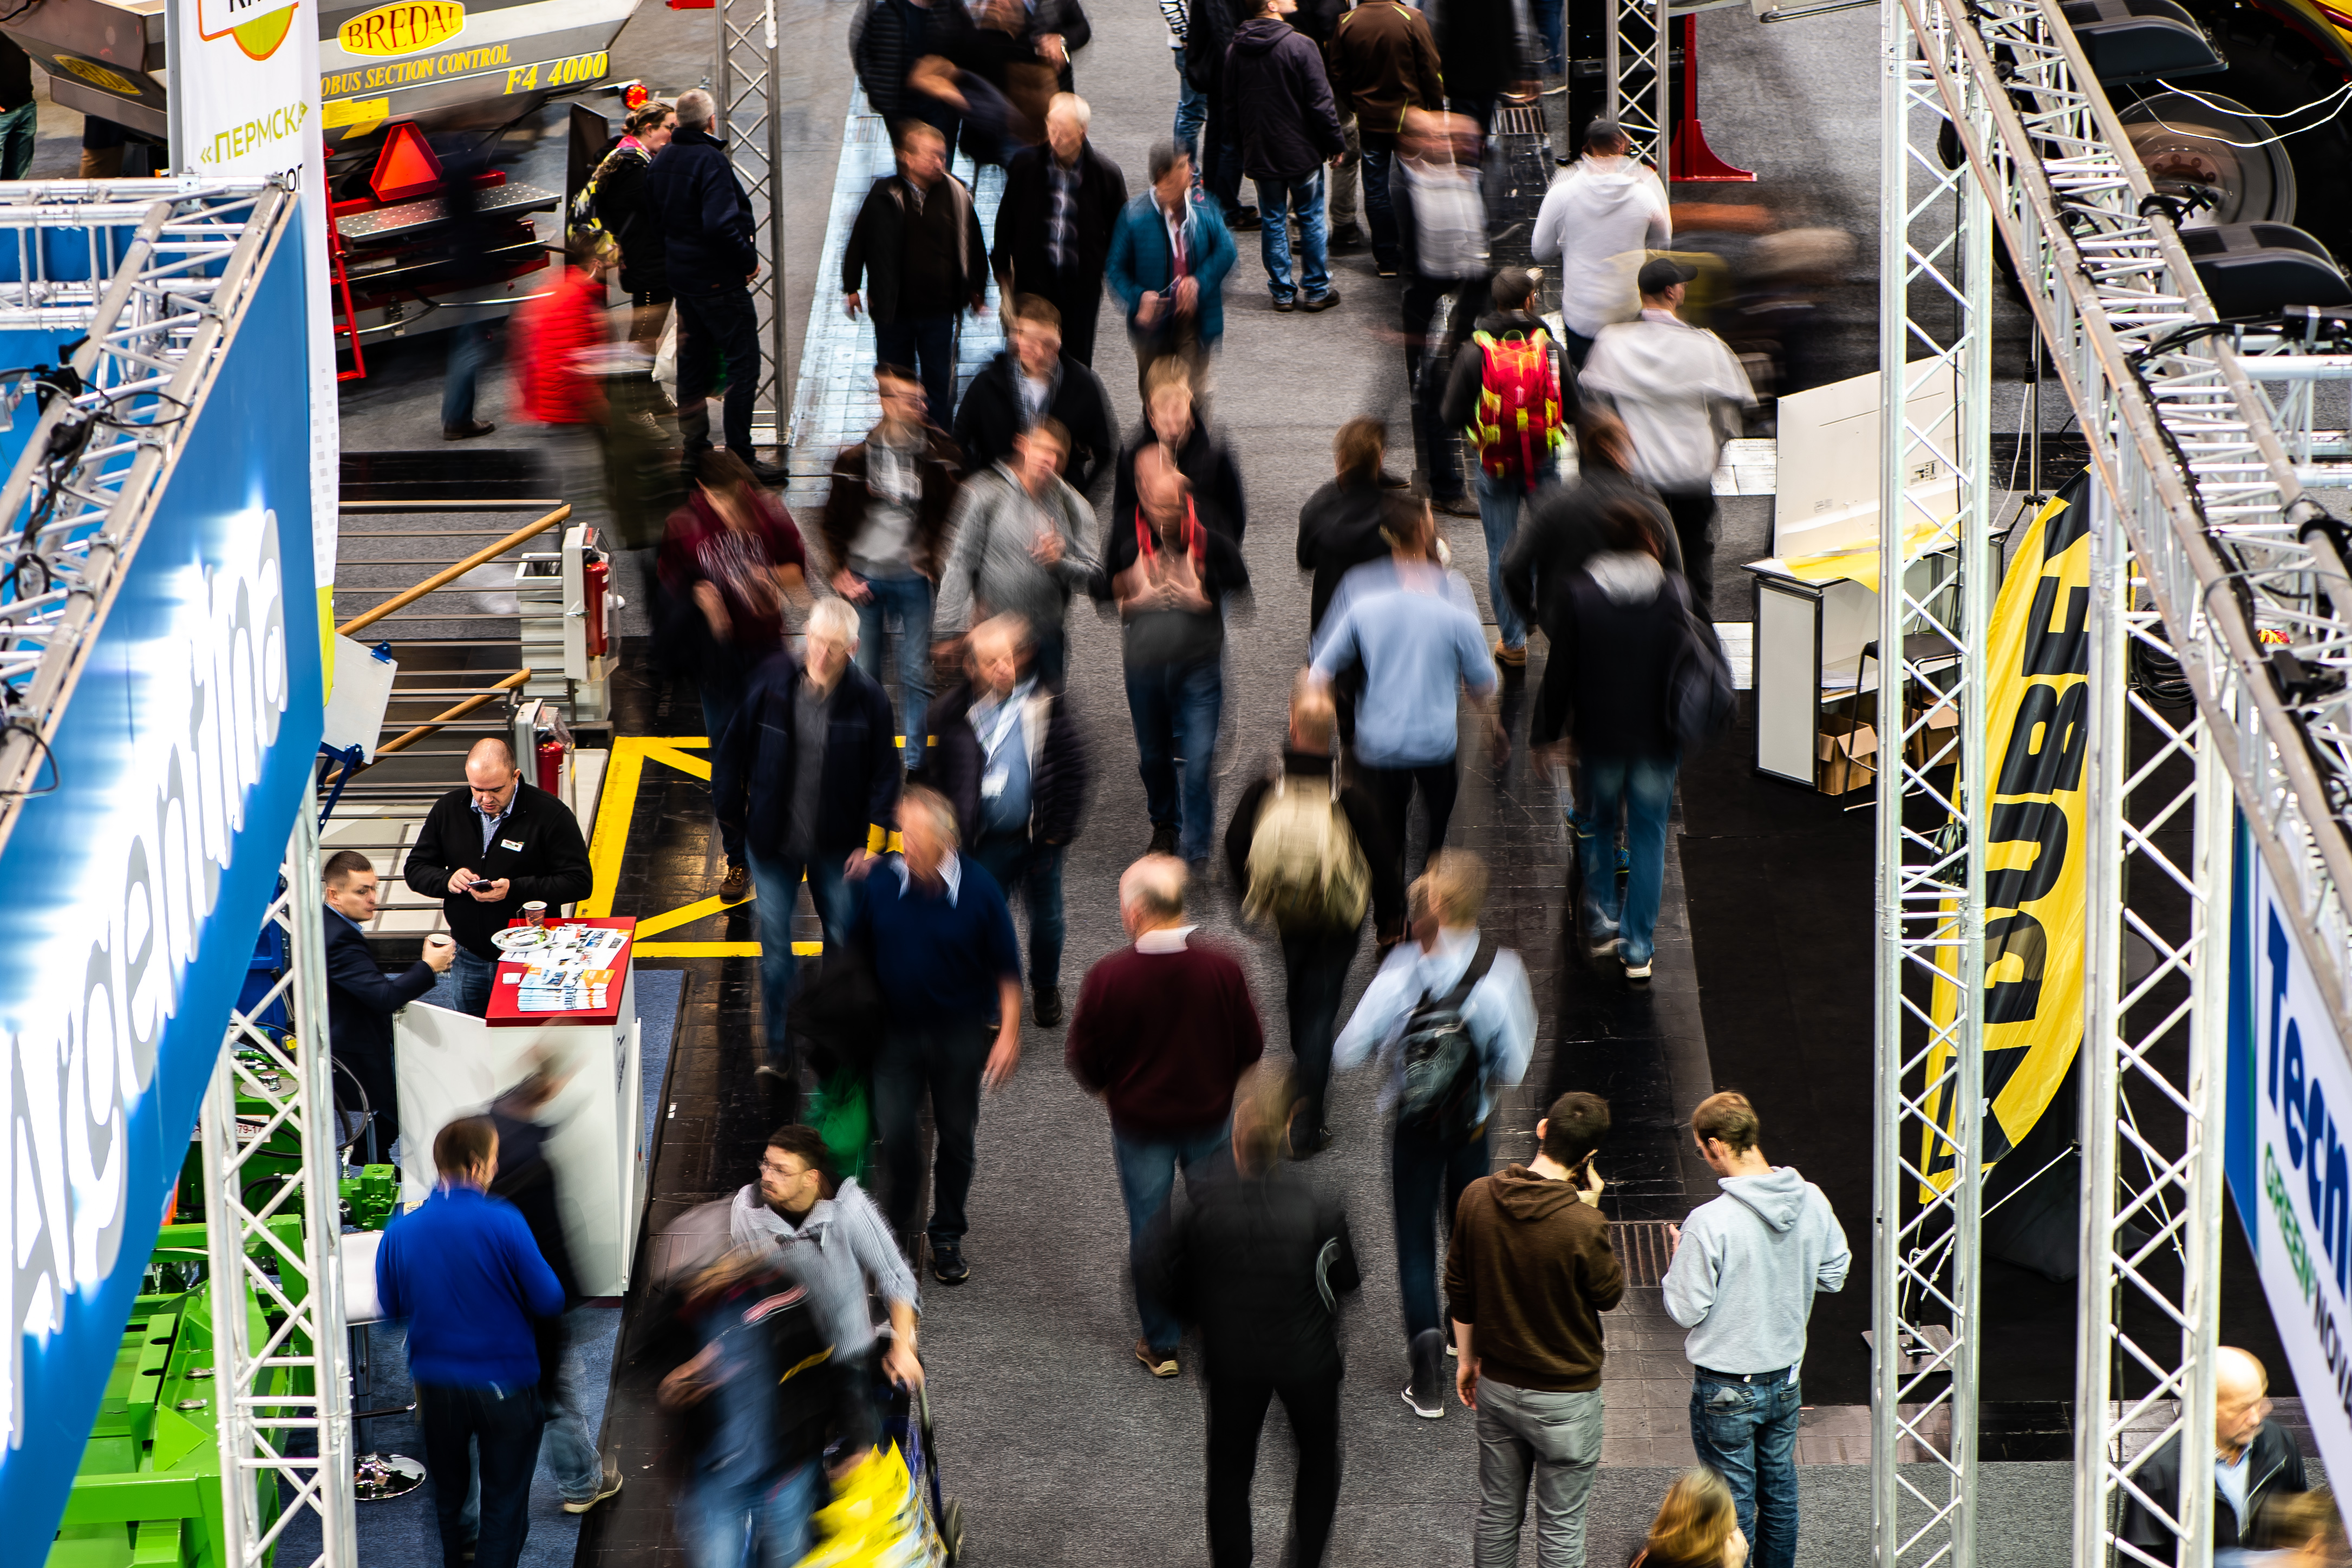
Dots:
(437, 941)
(535, 913)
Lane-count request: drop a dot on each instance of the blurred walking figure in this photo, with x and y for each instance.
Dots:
(709, 239)
(1599, 220)
(1169, 258)
(1208, 41)
(1508, 392)
(807, 778)
(1260, 1261)
(890, 37)
(1023, 544)
(1274, 77)
(1383, 63)
(827, 1235)
(1163, 1030)
(1696, 1528)
(1441, 224)
(1054, 224)
(730, 559)
(462, 1269)
(916, 261)
(1171, 568)
(1411, 625)
(1682, 394)
(1563, 529)
(1484, 54)
(1746, 1267)
(950, 969)
(1452, 1020)
(1172, 422)
(2257, 1466)
(556, 343)
(623, 212)
(1339, 527)
(1529, 1275)
(885, 533)
(1033, 380)
(1615, 634)
(1013, 759)
(1311, 856)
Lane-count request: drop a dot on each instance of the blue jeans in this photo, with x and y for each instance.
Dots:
(1747, 1433)
(718, 332)
(1192, 113)
(469, 347)
(19, 128)
(1035, 869)
(1304, 200)
(776, 888)
(751, 1521)
(1549, 17)
(1499, 514)
(1148, 1164)
(1175, 708)
(1644, 788)
(1420, 1168)
(719, 705)
(502, 1425)
(1380, 214)
(471, 976)
(905, 603)
(929, 339)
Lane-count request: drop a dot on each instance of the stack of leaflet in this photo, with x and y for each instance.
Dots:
(573, 971)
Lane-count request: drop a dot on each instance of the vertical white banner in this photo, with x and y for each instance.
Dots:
(245, 101)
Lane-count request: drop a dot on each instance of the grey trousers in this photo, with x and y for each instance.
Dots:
(1558, 1437)
(1341, 205)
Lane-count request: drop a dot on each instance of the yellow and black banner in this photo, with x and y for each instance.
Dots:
(2038, 728)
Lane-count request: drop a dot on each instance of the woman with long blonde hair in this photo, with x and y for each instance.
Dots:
(1696, 1527)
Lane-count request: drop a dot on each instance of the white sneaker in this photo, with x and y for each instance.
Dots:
(1428, 1410)
(1638, 970)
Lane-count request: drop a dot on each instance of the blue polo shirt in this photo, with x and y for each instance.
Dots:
(463, 1269)
(938, 954)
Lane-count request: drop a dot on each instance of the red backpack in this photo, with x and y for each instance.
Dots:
(1519, 422)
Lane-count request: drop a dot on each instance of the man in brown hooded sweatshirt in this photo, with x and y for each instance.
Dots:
(1529, 1275)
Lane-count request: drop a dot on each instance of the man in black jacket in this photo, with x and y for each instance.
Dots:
(1053, 225)
(485, 850)
(361, 998)
(2253, 1460)
(711, 241)
(810, 767)
(1035, 378)
(1339, 526)
(1260, 1261)
(1274, 75)
(1009, 756)
(1316, 956)
(918, 236)
(1562, 529)
(1204, 459)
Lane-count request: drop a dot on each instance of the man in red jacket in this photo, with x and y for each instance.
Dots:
(1163, 1031)
(559, 339)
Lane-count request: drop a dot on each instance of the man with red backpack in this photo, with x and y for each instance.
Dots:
(1507, 390)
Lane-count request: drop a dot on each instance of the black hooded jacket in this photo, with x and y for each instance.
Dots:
(1562, 531)
(1282, 101)
(1338, 529)
(1260, 1262)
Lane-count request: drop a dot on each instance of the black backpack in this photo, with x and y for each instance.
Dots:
(1445, 1074)
(1699, 694)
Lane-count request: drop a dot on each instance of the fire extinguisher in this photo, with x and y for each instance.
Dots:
(596, 576)
(551, 765)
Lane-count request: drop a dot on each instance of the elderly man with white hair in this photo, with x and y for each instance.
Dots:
(809, 769)
(1061, 202)
(2254, 1460)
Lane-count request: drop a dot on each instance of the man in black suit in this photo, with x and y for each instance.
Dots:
(1054, 225)
(485, 850)
(361, 998)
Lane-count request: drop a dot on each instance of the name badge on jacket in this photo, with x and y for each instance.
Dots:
(510, 843)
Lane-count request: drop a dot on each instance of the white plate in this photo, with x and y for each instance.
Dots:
(516, 938)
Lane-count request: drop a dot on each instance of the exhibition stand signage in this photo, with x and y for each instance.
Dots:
(132, 891)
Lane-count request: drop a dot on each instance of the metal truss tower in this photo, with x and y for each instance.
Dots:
(1935, 589)
(750, 65)
(284, 1403)
(2204, 545)
(1640, 99)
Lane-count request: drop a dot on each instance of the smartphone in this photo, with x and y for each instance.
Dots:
(457, 887)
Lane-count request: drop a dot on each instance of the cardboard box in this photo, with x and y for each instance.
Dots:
(1936, 742)
(1846, 750)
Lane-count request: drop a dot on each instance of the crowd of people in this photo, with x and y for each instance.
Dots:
(955, 538)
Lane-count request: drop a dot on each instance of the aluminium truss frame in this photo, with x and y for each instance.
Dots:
(1641, 39)
(750, 65)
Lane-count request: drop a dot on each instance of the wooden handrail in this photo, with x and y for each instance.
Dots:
(408, 738)
(449, 574)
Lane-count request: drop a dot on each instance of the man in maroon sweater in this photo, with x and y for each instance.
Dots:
(1163, 1030)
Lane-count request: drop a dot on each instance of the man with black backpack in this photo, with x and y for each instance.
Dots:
(1309, 853)
(1453, 1019)
(1509, 394)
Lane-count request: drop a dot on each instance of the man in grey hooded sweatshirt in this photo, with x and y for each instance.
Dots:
(1745, 1270)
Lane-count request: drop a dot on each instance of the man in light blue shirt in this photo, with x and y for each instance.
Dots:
(1421, 980)
(1413, 627)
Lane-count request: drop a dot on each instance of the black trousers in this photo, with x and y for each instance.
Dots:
(1315, 964)
(1237, 1415)
(943, 1061)
(716, 330)
(1393, 787)
(505, 1423)
(1694, 515)
(1079, 299)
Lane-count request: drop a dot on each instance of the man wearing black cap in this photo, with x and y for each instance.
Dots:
(1682, 392)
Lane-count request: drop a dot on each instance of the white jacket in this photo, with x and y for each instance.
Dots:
(1601, 218)
(1679, 389)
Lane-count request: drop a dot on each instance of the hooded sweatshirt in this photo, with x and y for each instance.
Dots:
(1614, 633)
(1282, 101)
(1531, 1270)
(1743, 1279)
(1600, 218)
(1679, 390)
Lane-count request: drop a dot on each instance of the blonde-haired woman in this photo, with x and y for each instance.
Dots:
(1696, 1527)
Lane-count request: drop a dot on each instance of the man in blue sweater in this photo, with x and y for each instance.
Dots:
(950, 969)
(463, 1269)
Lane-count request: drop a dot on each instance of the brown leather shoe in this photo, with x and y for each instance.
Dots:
(737, 885)
(467, 431)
